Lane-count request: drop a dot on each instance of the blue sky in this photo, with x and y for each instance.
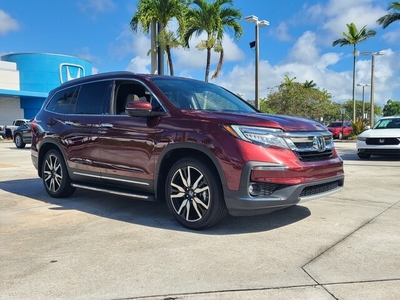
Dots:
(298, 42)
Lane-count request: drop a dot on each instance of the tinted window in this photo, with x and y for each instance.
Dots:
(94, 98)
(191, 94)
(63, 101)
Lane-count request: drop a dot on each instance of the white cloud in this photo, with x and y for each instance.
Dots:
(305, 50)
(281, 32)
(7, 23)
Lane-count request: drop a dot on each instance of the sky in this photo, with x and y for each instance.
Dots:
(297, 43)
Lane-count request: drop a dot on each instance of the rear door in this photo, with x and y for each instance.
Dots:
(80, 110)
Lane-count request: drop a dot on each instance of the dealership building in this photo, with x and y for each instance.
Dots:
(27, 78)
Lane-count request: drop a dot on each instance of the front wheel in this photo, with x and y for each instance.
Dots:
(194, 194)
(55, 175)
(19, 142)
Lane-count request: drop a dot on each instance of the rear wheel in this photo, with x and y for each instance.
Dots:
(19, 142)
(55, 175)
(363, 155)
(194, 194)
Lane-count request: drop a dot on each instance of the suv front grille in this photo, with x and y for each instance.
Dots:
(313, 156)
(311, 146)
(382, 141)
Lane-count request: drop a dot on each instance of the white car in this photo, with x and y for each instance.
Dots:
(382, 139)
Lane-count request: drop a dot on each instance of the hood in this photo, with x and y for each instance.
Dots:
(286, 123)
(381, 133)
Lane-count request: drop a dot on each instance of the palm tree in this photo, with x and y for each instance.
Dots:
(212, 18)
(353, 37)
(161, 11)
(309, 84)
(168, 40)
(388, 19)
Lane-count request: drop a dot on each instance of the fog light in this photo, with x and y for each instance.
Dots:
(254, 189)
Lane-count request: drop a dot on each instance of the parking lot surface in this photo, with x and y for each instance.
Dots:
(100, 246)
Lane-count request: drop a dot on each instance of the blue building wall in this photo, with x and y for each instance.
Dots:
(42, 72)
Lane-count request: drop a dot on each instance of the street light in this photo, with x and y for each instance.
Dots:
(263, 23)
(372, 54)
(363, 103)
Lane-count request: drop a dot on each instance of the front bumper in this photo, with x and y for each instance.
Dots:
(278, 196)
(363, 148)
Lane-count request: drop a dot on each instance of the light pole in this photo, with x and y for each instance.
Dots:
(363, 102)
(372, 54)
(263, 23)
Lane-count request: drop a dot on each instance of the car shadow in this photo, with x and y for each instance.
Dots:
(152, 214)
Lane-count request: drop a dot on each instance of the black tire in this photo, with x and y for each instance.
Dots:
(8, 134)
(363, 155)
(19, 141)
(55, 175)
(194, 194)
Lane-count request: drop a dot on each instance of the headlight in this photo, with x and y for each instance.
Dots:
(361, 138)
(258, 135)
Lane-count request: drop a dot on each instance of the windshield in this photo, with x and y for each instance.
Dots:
(199, 95)
(335, 124)
(388, 123)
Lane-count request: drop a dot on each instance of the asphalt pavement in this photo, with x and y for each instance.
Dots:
(98, 246)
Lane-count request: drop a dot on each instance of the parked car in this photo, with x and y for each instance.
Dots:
(23, 135)
(340, 130)
(199, 147)
(9, 129)
(382, 139)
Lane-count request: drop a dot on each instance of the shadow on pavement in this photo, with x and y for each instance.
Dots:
(153, 214)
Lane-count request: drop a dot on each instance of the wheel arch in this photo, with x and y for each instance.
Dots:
(45, 147)
(173, 153)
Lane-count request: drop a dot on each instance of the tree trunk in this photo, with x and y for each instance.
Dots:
(208, 63)
(169, 58)
(219, 66)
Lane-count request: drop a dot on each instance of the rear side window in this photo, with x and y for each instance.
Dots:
(63, 101)
(94, 98)
(91, 98)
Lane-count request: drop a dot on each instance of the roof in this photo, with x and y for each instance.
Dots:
(14, 93)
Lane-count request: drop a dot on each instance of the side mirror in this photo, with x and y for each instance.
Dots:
(367, 127)
(141, 109)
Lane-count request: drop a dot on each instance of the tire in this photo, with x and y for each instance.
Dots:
(55, 175)
(363, 155)
(194, 194)
(8, 134)
(19, 142)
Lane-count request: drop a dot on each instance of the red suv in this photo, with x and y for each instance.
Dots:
(193, 144)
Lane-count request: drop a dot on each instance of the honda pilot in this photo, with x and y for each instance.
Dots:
(195, 145)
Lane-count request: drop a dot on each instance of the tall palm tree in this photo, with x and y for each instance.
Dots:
(392, 16)
(161, 11)
(353, 37)
(212, 18)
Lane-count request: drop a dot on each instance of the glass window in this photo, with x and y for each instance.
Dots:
(62, 100)
(94, 98)
(198, 95)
